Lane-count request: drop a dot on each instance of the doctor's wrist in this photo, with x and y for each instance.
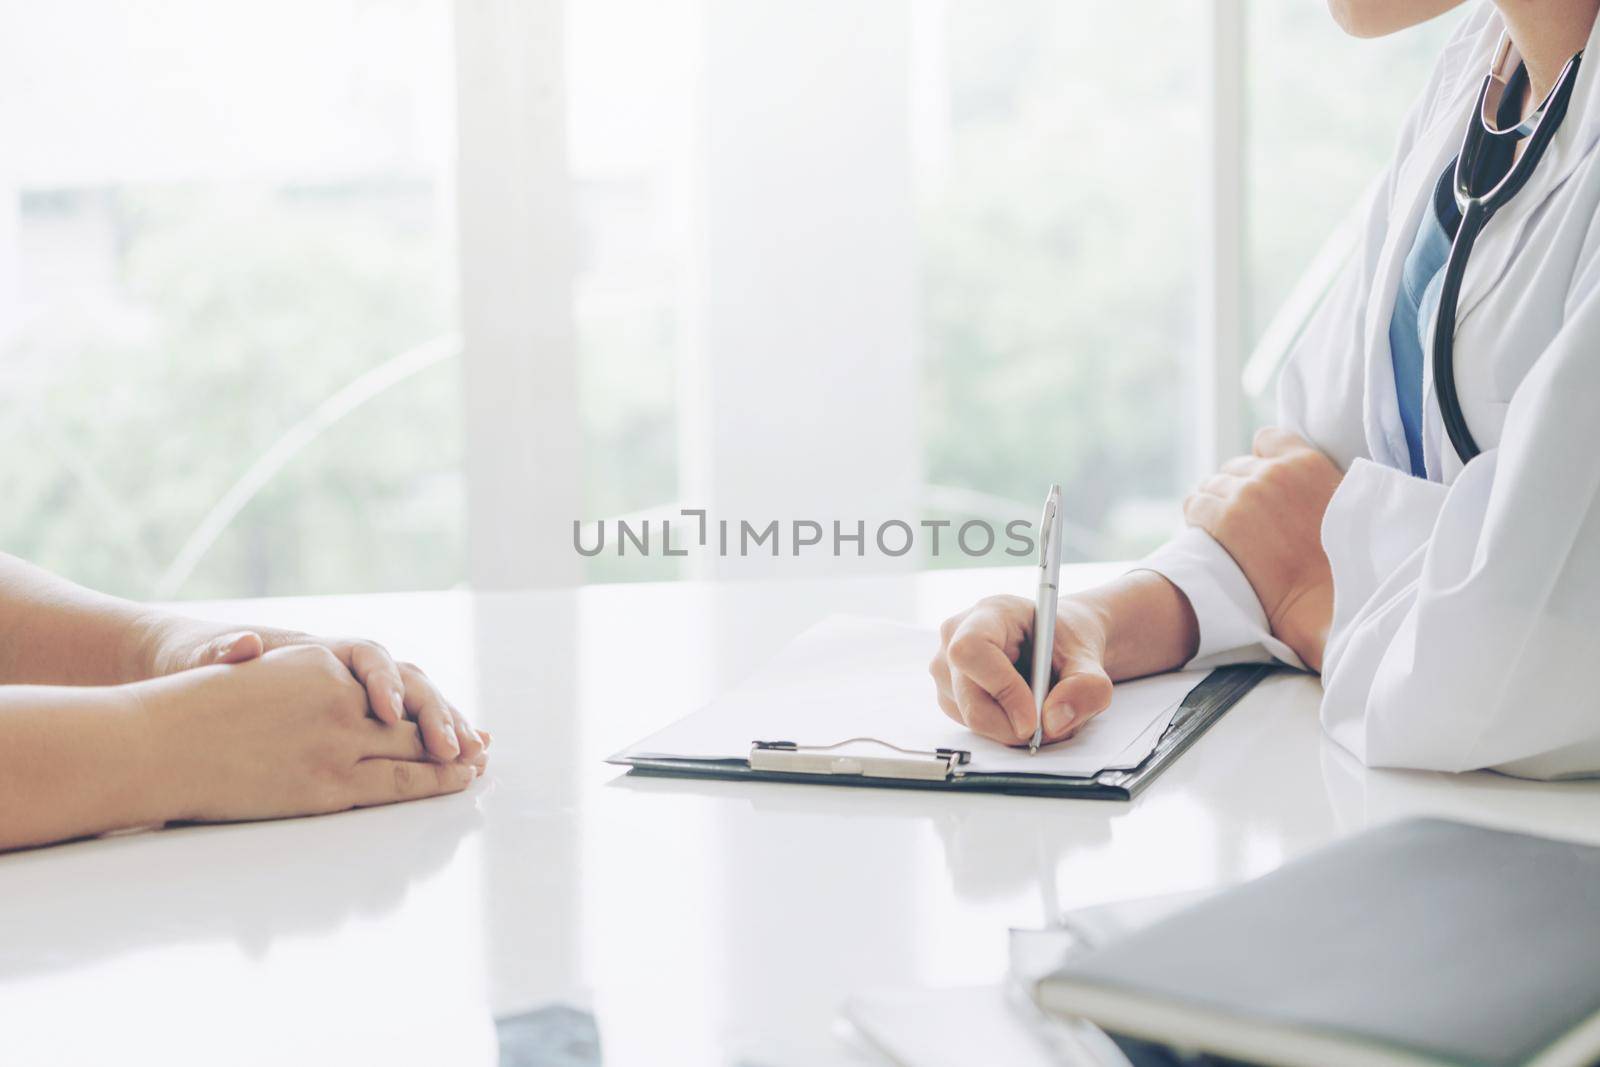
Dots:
(1148, 623)
(1303, 621)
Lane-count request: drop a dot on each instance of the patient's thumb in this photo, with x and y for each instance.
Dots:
(235, 647)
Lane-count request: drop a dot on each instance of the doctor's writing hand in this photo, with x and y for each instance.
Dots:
(1136, 625)
(981, 686)
(1266, 509)
(396, 691)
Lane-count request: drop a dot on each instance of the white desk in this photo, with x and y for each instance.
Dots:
(703, 923)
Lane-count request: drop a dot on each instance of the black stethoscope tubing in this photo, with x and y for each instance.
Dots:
(1476, 211)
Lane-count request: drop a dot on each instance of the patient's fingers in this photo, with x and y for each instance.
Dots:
(400, 741)
(432, 712)
(239, 646)
(372, 665)
(472, 746)
(389, 781)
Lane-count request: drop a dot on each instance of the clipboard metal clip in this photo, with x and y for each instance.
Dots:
(786, 757)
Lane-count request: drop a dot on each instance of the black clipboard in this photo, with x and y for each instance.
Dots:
(781, 761)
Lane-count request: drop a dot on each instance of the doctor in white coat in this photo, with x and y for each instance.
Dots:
(1452, 608)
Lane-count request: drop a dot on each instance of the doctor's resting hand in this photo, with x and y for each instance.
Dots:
(1265, 509)
(114, 716)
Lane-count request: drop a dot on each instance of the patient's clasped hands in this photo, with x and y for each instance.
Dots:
(114, 715)
(394, 691)
(290, 731)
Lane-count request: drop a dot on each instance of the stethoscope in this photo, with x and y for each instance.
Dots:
(1477, 209)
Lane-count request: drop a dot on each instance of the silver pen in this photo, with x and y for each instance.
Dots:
(1044, 610)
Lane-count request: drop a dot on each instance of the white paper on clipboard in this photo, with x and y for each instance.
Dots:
(851, 677)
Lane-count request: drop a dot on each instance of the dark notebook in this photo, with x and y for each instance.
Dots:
(1423, 942)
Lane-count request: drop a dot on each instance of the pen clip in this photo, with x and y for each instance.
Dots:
(1047, 524)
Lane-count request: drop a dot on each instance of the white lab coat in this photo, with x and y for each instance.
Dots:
(1466, 622)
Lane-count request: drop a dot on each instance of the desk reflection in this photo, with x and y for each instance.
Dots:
(77, 904)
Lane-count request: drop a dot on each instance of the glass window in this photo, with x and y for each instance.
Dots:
(1317, 143)
(227, 268)
(1059, 202)
(630, 114)
(225, 320)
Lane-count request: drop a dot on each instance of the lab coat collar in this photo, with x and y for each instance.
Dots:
(1468, 60)
(1568, 148)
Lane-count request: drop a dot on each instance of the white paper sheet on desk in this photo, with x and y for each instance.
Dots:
(851, 677)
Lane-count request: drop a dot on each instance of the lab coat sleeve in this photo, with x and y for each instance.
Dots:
(1477, 647)
(1233, 626)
